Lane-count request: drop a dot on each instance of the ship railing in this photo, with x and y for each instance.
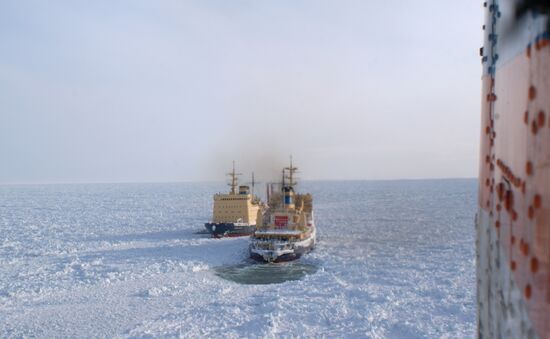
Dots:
(273, 246)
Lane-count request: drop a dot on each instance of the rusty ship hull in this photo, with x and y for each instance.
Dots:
(513, 219)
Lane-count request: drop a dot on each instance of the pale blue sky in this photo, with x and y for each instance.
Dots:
(118, 91)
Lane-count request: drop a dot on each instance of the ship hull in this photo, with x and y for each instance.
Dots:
(280, 254)
(219, 230)
(513, 219)
(297, 254)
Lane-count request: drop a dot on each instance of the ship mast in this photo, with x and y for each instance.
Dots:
(233, 182)
(288, 186)
(253, 183)
(291, 170)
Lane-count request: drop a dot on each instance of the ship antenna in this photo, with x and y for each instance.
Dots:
(234, 180)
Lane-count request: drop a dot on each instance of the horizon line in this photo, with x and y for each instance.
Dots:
(212, 181)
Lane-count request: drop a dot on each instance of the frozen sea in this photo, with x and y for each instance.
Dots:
(395, 259)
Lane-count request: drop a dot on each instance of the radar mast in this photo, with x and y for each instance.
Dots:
(291, 171)
(234, 180)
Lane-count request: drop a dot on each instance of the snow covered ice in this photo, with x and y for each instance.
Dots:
(394, 259)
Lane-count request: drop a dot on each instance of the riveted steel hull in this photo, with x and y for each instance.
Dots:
(513, 221)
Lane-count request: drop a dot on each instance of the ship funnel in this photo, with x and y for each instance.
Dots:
(288, 196)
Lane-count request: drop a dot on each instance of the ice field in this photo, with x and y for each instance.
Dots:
(394, 259)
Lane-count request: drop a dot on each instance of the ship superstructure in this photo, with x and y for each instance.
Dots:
(235, 213)
(286, 229)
